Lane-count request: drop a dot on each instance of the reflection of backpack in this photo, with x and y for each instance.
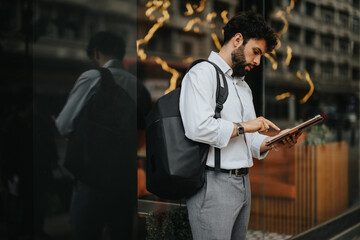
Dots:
(174, 163)
(102, 150)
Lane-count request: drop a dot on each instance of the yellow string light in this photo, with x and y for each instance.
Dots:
(282, 96)
(201, 6)
(311, 91)
(288, 56)
(216, 41)
(189, 10)
(224, 17)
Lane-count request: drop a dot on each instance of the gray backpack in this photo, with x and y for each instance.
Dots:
(175, 164)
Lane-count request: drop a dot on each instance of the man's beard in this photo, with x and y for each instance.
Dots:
(239, 62)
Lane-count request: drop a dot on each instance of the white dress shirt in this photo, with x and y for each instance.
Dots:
(197, 107)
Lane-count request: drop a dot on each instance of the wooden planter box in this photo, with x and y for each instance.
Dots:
(300, 188)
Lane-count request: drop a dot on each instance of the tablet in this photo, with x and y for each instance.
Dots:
(317, 119)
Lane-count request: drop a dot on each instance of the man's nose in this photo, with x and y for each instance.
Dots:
(257, 60)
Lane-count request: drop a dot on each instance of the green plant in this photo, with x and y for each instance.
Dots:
(170, 225)
(318, 134)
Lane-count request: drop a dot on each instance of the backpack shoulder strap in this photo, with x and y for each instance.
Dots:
(221, 90)
(221, 96)
(107, 79)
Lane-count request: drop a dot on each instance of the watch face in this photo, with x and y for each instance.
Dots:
(240, 129)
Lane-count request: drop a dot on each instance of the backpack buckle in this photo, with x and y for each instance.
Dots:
(219, 106)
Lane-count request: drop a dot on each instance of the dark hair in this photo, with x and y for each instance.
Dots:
(250, 25)
(107, 43)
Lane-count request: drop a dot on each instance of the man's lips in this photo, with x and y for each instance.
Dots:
(249, 67)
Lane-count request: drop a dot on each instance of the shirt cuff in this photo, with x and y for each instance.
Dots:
(63, 128)
(256, 144)
(226, 130)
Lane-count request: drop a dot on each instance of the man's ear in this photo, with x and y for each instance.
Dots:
(238, 40)
(96, 54)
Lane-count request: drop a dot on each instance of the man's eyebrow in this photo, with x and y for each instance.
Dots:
(258, 50)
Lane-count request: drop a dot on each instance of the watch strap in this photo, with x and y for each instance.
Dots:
(240, 129)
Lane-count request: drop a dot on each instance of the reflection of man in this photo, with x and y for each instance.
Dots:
(221, 208)
(93, 207)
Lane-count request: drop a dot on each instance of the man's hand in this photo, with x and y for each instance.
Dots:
(287, 142)
(259, 124)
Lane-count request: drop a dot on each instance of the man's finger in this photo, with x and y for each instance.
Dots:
(265, 126)
(271, 124)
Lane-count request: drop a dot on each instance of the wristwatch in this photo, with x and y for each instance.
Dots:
(240, 129)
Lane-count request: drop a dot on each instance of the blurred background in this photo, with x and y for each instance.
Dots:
(313, 70)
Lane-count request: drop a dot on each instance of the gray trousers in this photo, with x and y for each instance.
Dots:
(220, 210)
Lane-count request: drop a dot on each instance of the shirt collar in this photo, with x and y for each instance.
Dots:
(215, 58)
(114, 63)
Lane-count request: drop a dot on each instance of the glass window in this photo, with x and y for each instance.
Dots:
(188, 48)
(356, 49)
(356, 4)
(356, 26)
(344, 45)
(327, 70)
(294, 33)
(220, 6)
(310, 37)
(327, 15)
(310, 65)
(344, 19)
(314, 69)
(343, 72)
(294, 64)
(310, 8)
(277, 25)
(297, 6)
(278, 109)
(355, 74)
(327, 43)
(159, 44)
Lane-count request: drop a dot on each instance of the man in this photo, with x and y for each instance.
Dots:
(114, 204)
(221, 208)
